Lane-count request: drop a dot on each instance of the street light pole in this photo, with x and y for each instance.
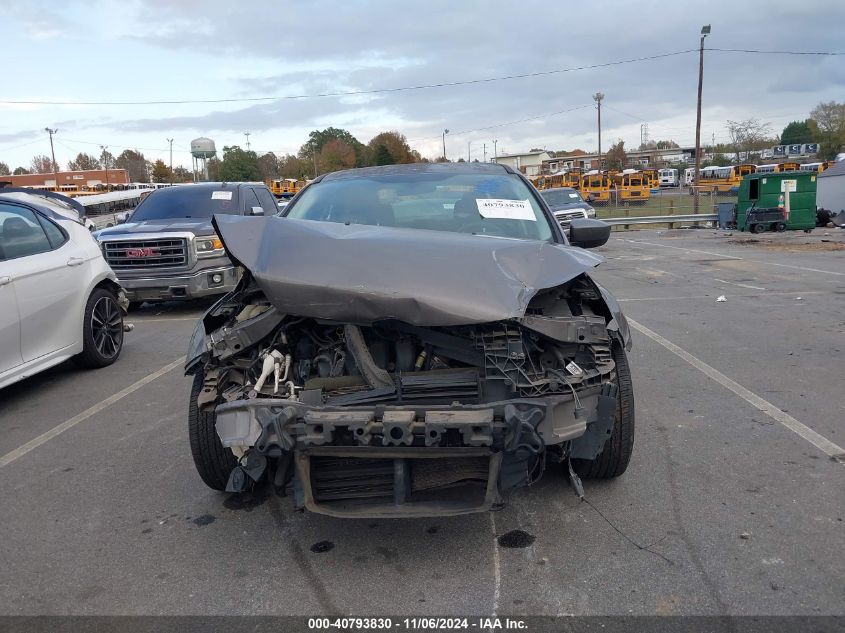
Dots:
(469, 151)
(103, 149)
(246, 134)
(597, 98)
(445, 132)
(170, 140)
(485, 152)
(495, 151)
(53, 154)
(705, 31)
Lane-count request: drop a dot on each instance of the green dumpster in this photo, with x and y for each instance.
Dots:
(769, 191)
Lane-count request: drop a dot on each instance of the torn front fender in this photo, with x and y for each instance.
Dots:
(362, 274)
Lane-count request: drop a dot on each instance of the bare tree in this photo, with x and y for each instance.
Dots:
(42, 164)
(748, 135)
(615, 158)
(4, 169)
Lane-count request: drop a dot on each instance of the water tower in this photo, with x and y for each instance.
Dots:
(201, 150)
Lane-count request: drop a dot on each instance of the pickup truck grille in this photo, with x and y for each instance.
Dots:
(147, 253)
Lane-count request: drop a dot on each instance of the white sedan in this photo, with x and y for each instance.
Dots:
(59, 299)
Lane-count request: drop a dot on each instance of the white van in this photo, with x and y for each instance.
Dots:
(668, 177)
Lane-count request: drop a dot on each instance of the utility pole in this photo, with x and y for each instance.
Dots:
(53, 154)
(445, 132)
(705, 31)
(103, 149)
(170, 140)
(597, 98)
(246, 134)
(485, 152)
(469, 151)
(495, 151)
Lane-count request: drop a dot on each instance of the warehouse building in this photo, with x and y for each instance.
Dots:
(89, 178)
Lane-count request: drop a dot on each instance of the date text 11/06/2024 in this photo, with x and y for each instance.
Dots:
(417, 624)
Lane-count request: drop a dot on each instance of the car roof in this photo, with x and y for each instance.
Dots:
(419, 168)
(50, 204)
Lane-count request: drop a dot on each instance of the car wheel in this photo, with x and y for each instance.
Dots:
(758, 228)
(102, 330)
(614, 457)
(213, 461)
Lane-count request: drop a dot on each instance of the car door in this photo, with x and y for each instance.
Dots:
(10, 321)
(48, 273)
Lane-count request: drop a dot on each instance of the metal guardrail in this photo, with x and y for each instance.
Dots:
(663, 219)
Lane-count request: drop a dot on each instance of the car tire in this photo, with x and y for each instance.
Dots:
(213, 461)
(614, 457)
(102, 330)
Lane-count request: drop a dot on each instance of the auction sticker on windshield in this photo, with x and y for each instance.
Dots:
(221, 195)
(493, 208)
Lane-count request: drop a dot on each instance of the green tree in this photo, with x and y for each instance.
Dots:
(291, 166)
(796, 132)
(161, 172)
(213, 166)
(382, 156)
(83, 162)
(4, 169)
(396, 145)
(318, 139)
(268, 166)
(239, 165)
(20, 171)
(136, 165)
(830, 119)
(336, 154)
(616, 158)
(182, 174)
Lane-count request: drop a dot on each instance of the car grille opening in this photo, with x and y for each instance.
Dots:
(148, 253)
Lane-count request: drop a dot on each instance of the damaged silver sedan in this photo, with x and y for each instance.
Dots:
(410, 340)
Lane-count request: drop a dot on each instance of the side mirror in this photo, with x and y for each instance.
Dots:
(256, 211)
(588, 233)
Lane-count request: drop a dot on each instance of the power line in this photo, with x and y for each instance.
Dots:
(351, 92)
(757, 52)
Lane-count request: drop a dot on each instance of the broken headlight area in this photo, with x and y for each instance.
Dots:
(390, 419)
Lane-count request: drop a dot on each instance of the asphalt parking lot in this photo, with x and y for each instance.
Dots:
(733, 504)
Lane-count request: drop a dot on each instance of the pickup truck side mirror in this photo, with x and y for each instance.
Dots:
(588, 233)
(256, 211)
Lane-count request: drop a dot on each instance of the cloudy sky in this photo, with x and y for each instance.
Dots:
(212, 50)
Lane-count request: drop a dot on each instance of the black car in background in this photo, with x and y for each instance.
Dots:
(567, 204)
(167, 248)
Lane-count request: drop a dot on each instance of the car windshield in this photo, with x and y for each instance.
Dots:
(479, 203)
(556, 197)
(186, 202)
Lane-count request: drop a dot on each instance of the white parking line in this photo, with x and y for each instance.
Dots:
(735, 283)
(31, 445)
(802, 430)
(723, 255)
(497, 567)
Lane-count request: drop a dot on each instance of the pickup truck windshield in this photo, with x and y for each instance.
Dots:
(485, 204)
(186, 202)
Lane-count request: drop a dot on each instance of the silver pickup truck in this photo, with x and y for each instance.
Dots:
(167, 249)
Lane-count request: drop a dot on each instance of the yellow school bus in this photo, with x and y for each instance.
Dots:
(572, 179)
(597, 185)
(788, 166)
(632, 186)
(285, 187)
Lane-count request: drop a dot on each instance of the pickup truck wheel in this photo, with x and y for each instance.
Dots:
(614, 457)
(213, 461)
(102, 330)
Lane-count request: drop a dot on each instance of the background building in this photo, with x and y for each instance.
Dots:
(86, 178)
(529, 163)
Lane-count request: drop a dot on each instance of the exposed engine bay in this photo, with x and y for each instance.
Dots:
(391, 419)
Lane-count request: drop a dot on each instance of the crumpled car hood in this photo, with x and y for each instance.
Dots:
(362, 274)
